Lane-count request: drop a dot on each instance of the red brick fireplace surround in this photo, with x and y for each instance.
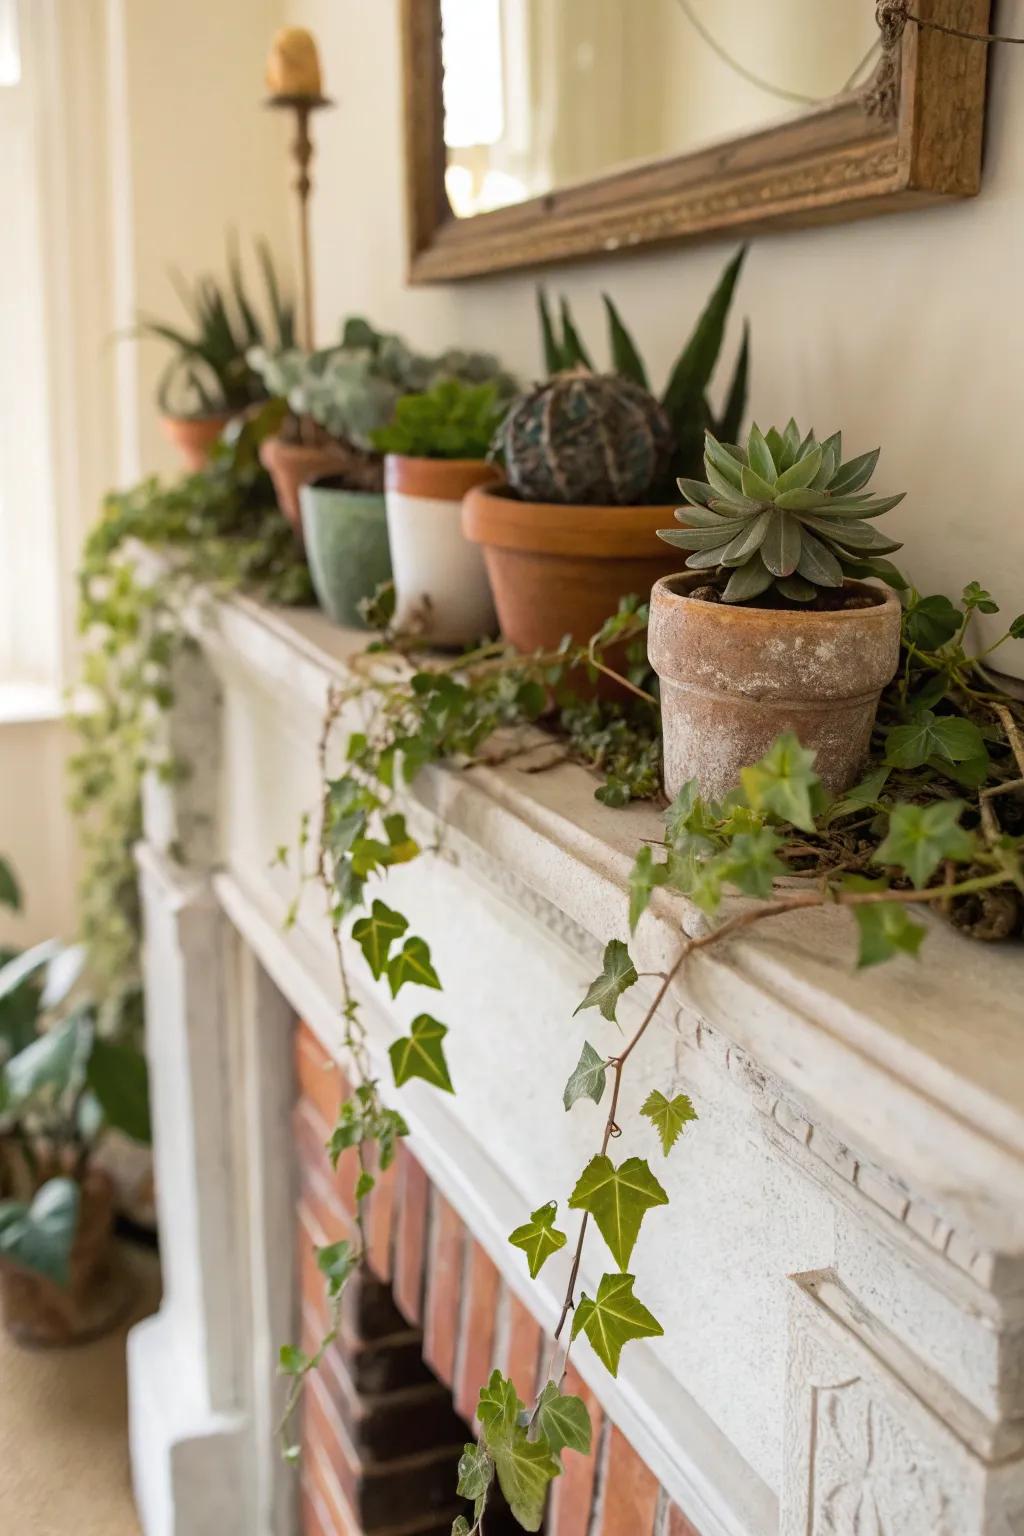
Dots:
(385, 1417)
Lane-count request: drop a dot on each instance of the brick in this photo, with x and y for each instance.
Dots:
(444, 1289)
(315, 1516)
(523, 1348)
(380, 1222)
(477, 1327)
(393, 1423)
(321, 1081)
(677, 1523)
(630, 1492)
(411, 1197)
(572, 1494)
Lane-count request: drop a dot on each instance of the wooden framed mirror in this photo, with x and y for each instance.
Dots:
(544, 130)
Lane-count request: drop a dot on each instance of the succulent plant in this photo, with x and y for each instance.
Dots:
(587, 438)
(683, 398)
(783, 512)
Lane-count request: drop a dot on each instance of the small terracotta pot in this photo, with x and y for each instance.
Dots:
(293, 465)
(441, 585)
(734, 677)
(560, 570)
(194, 436)
(39, 1312)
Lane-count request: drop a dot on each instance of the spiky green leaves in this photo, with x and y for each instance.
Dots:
(618, 1199)
(781, 512)
(612, 1318)
(668, 1116)
(539, 1238)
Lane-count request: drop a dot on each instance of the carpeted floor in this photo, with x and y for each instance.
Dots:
(63, 1432)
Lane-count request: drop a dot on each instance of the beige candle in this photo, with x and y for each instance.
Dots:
(293, 64)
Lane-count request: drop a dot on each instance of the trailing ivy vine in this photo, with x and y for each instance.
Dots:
(937, 821)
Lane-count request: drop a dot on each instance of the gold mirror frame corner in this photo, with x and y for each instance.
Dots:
(910, 138)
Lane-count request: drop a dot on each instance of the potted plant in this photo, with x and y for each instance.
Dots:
(772, 628)
(436, 450)
(209, 380)
(62, 1087)
(589, 460)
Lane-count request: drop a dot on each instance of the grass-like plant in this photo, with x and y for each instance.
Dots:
(784, 513)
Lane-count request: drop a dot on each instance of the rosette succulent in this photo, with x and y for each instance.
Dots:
(784, 513)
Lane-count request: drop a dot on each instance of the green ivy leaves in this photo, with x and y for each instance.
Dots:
(613, 1318)
(336, 1262)
(618, 1199)
(921, 837)
(617, 975)
(563, 1421)
(539, 1238)
(783, 781)
(420, 1054)
(524, 1467)
(412, 964)
(668, 1116)
(929, 735)
(588, 1077)
(376, 934)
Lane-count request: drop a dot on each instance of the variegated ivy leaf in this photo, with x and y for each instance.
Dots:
(461, 1526)
(412, 963)
(539, 1238)
(525, 1467)
(476, 1471)
(618, 1199)
(783, 781)
(617, 973)
(421, 1054)
(588, 1079)
(376, 934)
(668, 1116)
(613, 1318)
(563, 1420)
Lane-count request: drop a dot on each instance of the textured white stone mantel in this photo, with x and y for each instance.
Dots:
(841, 1268)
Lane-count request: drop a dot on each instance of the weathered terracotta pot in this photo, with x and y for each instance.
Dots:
(440, 581)
(37, 1311)
(293, 465)
(734, 677)
(194, 436)
(560, 570)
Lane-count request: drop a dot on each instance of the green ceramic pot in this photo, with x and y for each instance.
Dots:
(346, 536)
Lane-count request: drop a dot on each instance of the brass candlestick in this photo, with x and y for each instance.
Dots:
(303, 107)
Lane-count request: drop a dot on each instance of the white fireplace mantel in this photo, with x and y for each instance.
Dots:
(841, 1269)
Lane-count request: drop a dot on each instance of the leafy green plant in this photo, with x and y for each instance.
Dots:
(209, 371)
(684, 397)
(784, 513)
(452, 420)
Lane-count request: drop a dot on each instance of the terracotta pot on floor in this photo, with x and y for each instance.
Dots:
(37, 1311)
(293, 465)
(733, 677)
(194, 436)
(440, 580)
(560, 570)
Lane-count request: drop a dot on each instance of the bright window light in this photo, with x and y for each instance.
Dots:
(10, 54)
(474, 104)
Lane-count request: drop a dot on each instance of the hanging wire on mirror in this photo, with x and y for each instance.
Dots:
(894, 13)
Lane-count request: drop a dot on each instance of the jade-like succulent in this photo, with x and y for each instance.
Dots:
(783, 512)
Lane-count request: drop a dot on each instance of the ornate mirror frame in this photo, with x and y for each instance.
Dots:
(911, 137)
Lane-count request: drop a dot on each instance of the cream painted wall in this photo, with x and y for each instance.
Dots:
(905, 330)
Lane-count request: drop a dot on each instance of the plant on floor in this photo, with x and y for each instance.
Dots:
(221, 528)
(684, 397)
(451, 420)
(209, 372)
(899, 840)
(783, 514)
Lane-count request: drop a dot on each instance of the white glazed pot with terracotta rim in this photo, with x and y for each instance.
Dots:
(733, 677)
(441, 586)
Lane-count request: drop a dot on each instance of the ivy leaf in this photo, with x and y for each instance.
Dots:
(752, 864)
(421, 1054)
(930, 622)
(336, 1262)
(476, 1470)
(613, 1318)
(975, 596)
(588, 1078)
(524, 1467)
(1016, 629)
(412, 963)
(885, 928)
(861, 796)
(921, 837)
(39, 1236)
(930, 735)
(563, 1420)
(461, 1526)
(376, 934)
(498, 1408)
(292, 1361)
(782, 782)
(539, 1238)
(618, 973)
(618, 1199)
(668, 1116)
(643, 878)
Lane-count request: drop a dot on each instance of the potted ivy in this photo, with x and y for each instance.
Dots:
(209, 380)
(62, 1087)
(589, 460)
(773, 628)
(436, 450)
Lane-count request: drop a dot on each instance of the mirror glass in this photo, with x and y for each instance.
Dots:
(542, 94)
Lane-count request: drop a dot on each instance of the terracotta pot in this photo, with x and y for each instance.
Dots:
(734, 677)
(441, 585)
(560, 570)
(37, 1311)
(194, 436)
(346, 536)
(293, 465)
